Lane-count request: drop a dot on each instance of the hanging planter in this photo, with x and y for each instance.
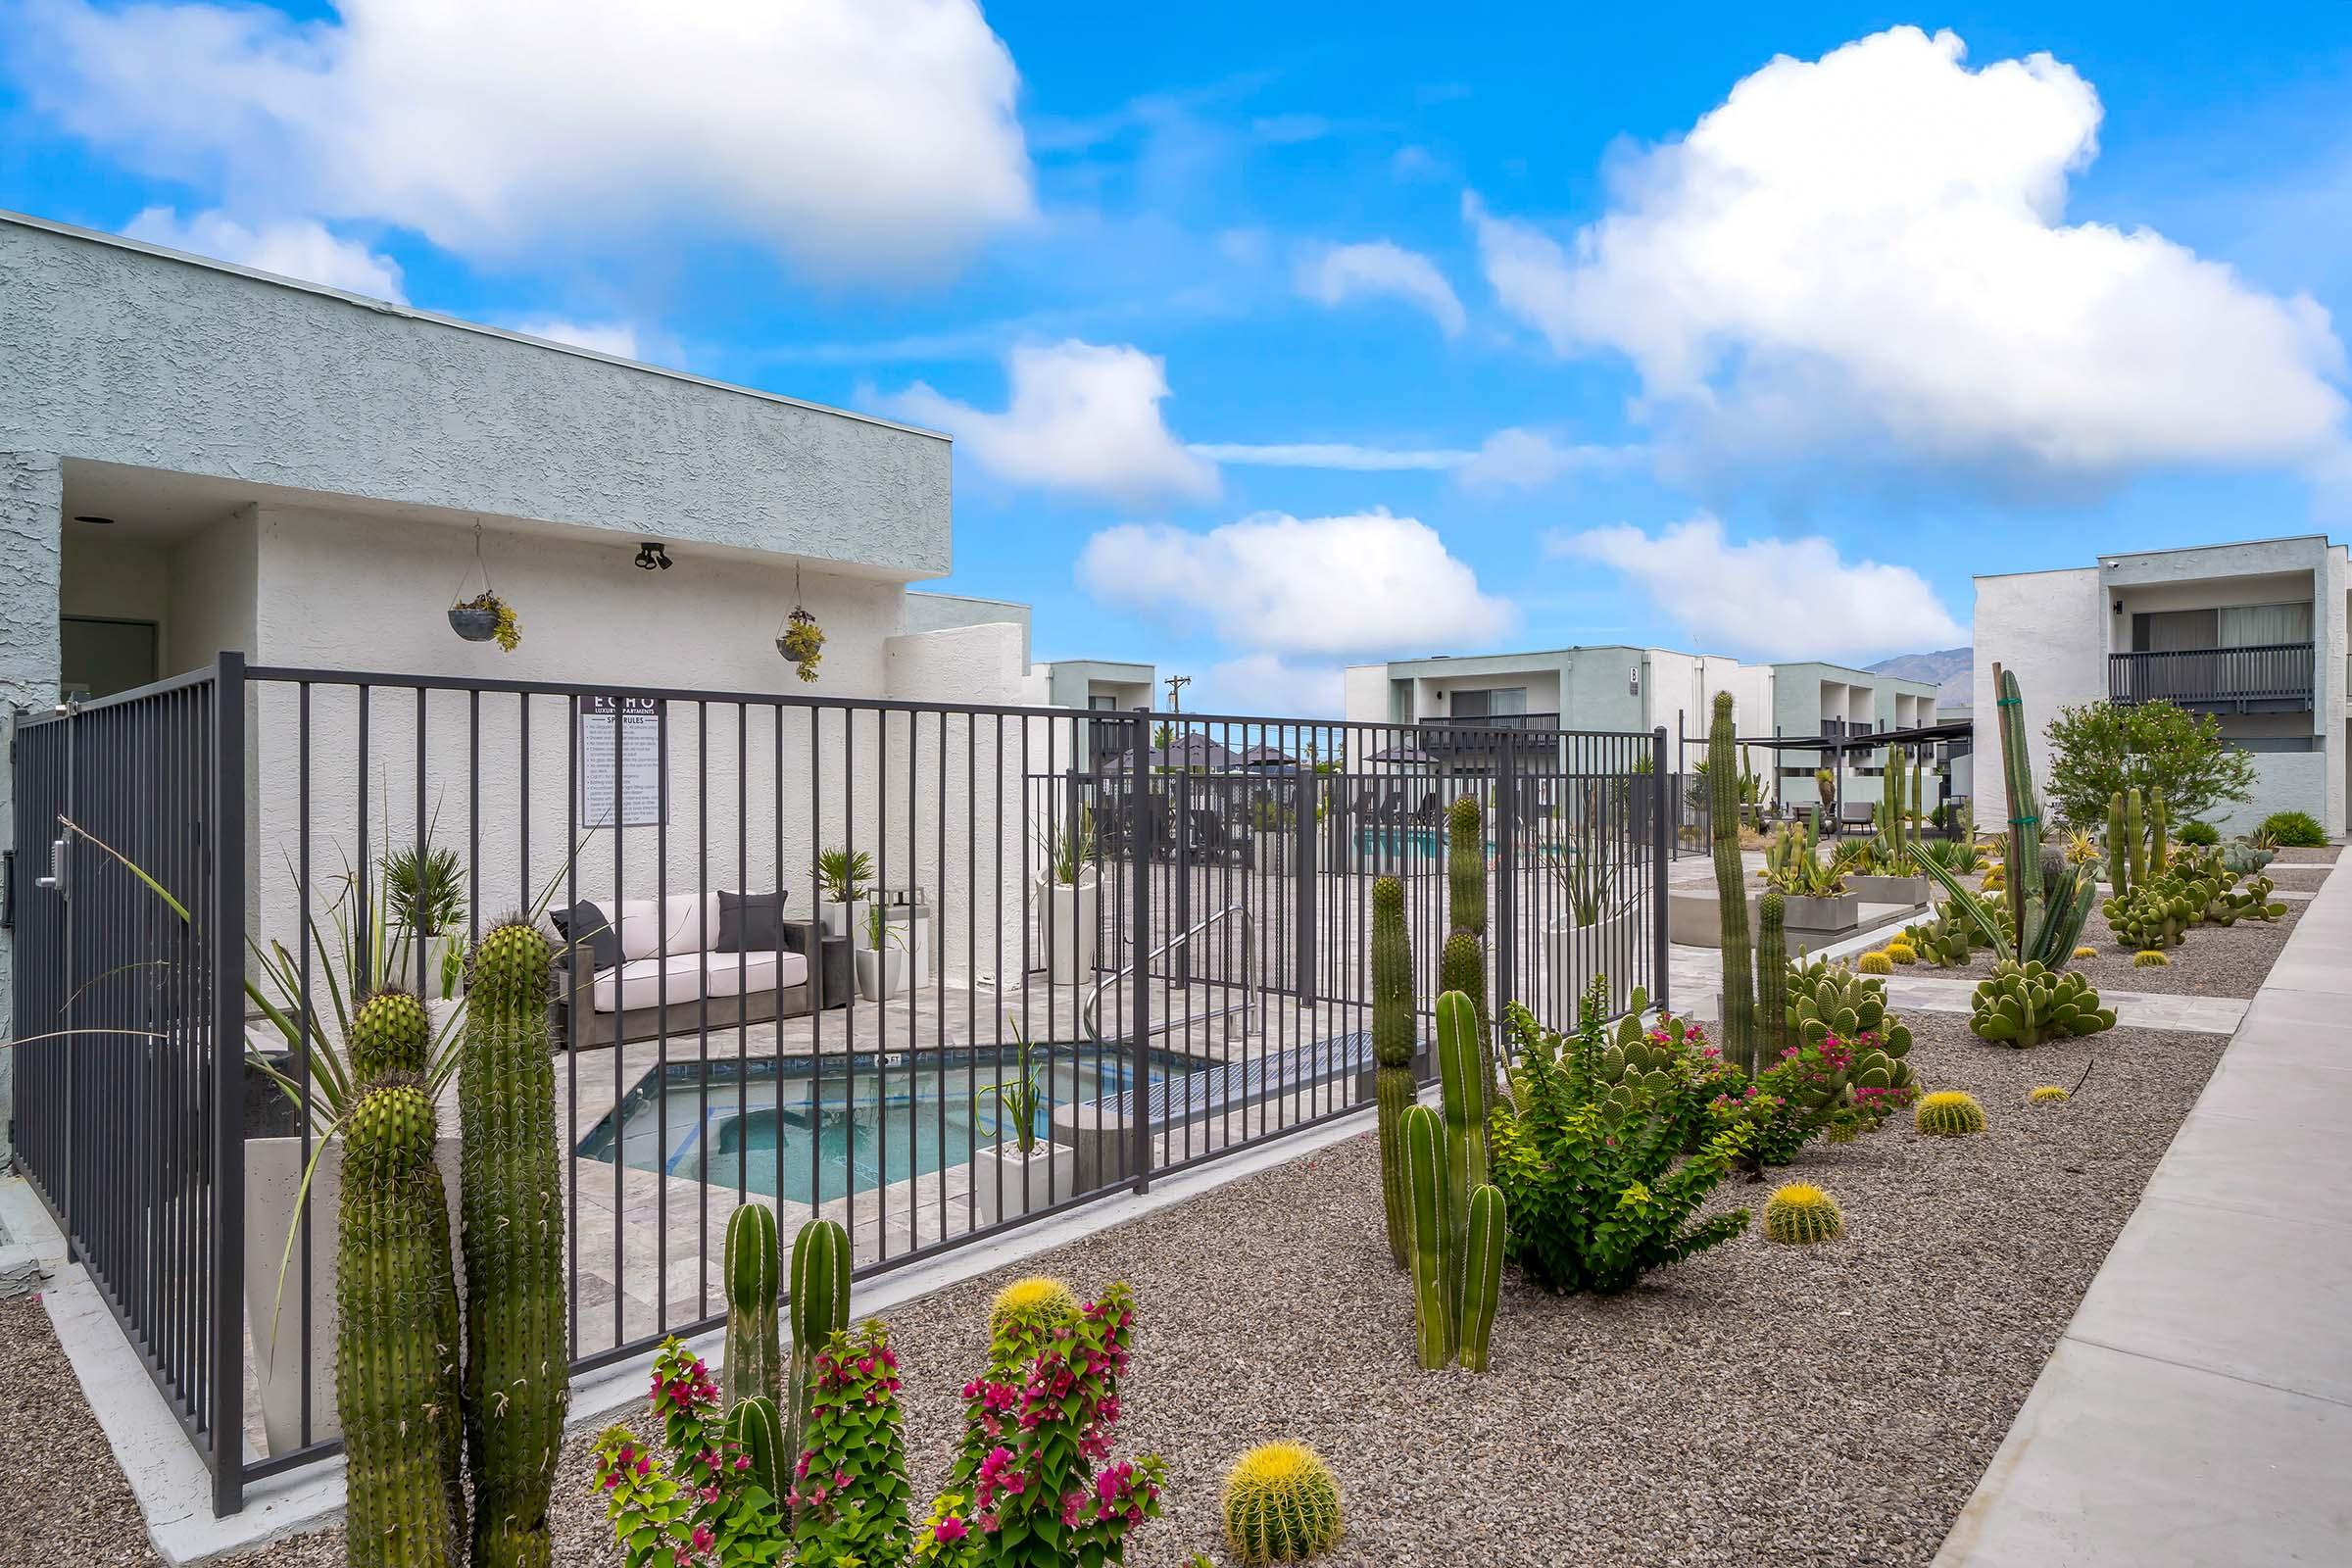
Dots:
(484, 618)
(802, 640)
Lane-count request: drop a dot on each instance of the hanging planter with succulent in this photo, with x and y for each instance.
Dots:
(484, 618)
(801, 640)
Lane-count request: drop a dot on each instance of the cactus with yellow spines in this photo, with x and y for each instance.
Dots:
(2048, 1094)
(1040, 1297)
(1876, 961)
(1281, 1505)
(1799, 1213)
(1949, 1114)
(2150, 958)
(510, 1205)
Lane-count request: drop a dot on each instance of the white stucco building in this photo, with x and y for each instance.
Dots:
(198, 457)
(2253, 633)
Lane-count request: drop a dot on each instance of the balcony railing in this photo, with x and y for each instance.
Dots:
(1497, 721)
(2265, 678)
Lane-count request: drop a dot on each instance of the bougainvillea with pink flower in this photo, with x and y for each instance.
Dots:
(1035, 1484)
(849, 1486)
(697, 1507)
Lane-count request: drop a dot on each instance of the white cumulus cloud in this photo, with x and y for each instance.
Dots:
(1774, 598)
(1342, 273)
(1081, 417)
(856, 136)
(291, 247)
(1869, 251)
(1278, 688)
(1519, 459)
(1317, 586)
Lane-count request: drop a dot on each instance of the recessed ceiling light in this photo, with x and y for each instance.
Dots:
(103, 522)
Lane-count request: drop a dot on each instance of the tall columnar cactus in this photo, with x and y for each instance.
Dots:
(1772, 978)
(758, 1432)
(820, 1308)
(1462, 961)
(1483, 1241)
(511, 1203)
(2120, 847)
(754, 1275)
(2160, 858)
(396, 1335)
(1740, 1041)
(1919, 796)
(1393, 1040)
(1426, 1186)
(1458, 1220)
(2135, 842)
(390, 1035)
(1893, 812)
(2025, 808)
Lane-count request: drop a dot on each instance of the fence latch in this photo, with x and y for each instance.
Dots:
(57, 880)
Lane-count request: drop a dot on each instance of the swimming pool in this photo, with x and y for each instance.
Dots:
(802, 1130)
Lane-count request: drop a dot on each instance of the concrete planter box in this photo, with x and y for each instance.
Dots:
(1892, 889)
(1609, 947)
(1047, 1174)
(1693, 920)
(1834, 915)
(881, 974)
(272, 1181)
(840, 920)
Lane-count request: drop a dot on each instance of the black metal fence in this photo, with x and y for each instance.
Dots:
(933, 971)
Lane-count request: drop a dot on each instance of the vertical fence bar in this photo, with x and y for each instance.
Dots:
(1139, 1100)
(1660, 845)
(226, 960)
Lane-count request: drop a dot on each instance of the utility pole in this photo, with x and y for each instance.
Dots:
(1176, 685)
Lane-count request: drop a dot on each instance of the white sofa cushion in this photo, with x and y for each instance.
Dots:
(690, 924)
(691, 976)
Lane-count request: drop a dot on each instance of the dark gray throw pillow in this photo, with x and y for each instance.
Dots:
(587, 926)
(751, 923)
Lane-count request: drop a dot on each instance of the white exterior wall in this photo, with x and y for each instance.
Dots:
(2049, 627)
(2284, 781)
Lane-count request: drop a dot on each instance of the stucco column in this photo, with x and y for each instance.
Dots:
(31, 500)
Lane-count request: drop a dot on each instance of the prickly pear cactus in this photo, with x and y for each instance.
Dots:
(396, 1335)
(1799, 1214)
(2025, 1005)
(518, 1362)
(1281, 1505)
(2155, 914)
(754, 1275)
(1941, 943)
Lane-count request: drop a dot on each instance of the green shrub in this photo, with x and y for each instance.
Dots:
(2294, 830)
(2199, 833)
(1597, 1187)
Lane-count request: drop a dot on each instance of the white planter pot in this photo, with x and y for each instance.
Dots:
(880, 974)
(1047, 1174)
(1067, 927)
(272, 1182)
(1575, 953)
(843, 920)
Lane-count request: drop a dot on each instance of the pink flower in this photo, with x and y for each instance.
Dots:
(743, 1462)
(949, 1528)
(645, 1467)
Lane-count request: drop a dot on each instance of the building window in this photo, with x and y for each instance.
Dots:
(1489, 702)
(1101, 704)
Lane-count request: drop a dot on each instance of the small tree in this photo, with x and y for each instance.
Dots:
(2099, 751)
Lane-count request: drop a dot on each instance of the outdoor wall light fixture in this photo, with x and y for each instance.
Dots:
(103, 522)
(652, 555)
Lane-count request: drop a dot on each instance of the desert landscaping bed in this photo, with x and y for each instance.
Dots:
(2324, 855)
(2213, 961)
(1756, 1403)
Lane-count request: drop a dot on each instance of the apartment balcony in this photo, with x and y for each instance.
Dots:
(1452, 739)
(2266, 678)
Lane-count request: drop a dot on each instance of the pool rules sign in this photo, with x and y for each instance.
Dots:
(620, 762)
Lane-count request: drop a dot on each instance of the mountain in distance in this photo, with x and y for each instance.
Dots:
(1953, 669)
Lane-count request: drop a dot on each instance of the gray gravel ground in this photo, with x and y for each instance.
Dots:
(1829, 1405)
(2320, 857)
(2212, 961)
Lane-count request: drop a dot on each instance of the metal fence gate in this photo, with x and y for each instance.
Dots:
(128, 1112)
(1161, 921)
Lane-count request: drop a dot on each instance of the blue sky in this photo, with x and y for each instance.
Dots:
(1280, 337)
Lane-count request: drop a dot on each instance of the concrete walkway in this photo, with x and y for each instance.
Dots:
(2199, 1409)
